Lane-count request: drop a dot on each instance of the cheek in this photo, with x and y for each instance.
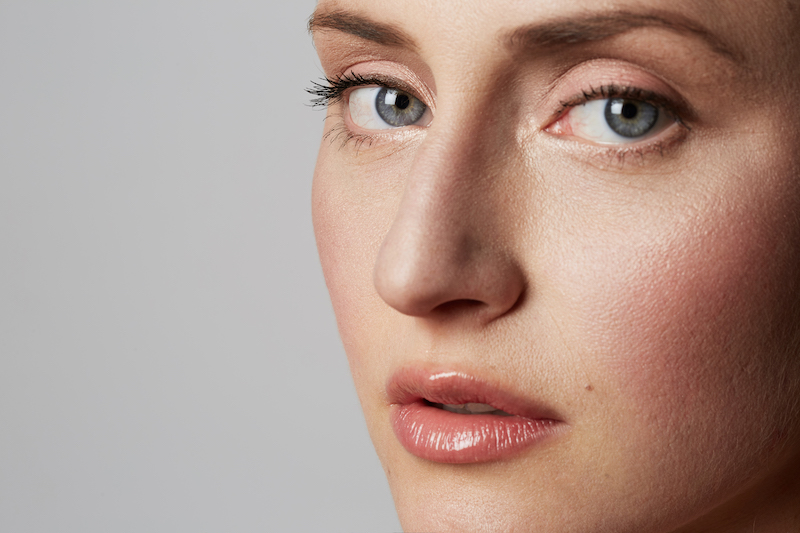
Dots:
(687, 329)
(688, 315)
(351, 207)
(340, 242)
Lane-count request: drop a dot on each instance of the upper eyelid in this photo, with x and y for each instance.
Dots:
(390, 84)
(334, 88)
(393, 83)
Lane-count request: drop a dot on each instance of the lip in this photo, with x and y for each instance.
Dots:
(444, 437)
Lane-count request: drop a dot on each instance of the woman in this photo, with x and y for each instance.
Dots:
(563, 247)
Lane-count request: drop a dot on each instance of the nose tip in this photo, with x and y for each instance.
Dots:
(430, 273)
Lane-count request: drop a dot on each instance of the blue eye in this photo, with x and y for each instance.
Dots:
(630, 118)
(398, 108)
(616, 121)
(380, 108)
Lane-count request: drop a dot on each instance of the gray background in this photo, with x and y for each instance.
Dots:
(168, 356)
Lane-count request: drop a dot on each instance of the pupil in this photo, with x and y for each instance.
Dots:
(629, 110)
(402, 101)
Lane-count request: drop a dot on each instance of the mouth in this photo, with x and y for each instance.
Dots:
(470, 408)
(452, 417)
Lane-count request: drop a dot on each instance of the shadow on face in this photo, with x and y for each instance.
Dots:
(561, 241)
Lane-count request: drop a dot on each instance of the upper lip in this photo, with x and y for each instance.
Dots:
(411, 384)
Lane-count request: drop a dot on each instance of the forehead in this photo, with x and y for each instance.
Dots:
(746, 32)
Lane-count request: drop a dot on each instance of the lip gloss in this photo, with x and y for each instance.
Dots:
(432, 433)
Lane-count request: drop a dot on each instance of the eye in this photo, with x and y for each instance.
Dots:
(381, 108)
(613, 121)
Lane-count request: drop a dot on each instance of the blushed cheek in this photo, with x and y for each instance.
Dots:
(691, 333)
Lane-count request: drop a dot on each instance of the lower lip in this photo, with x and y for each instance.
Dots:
(444, 437)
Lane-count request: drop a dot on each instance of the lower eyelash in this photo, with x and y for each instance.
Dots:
(341, 133)
(622, 156)
(332, 91)
(619, 158)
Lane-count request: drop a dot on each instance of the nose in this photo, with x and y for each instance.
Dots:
(449, 248)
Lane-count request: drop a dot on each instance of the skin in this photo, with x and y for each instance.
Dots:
(647, 293)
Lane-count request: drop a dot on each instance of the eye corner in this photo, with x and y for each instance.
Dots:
(556, 125)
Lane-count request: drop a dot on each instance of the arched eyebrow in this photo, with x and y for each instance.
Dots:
(558, 33)
(359, 26)
(596, 27)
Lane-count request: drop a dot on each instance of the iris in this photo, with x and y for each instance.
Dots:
(398, 108)
(630, 118)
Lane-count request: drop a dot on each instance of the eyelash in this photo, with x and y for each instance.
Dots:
(332, 91)
(676, 111)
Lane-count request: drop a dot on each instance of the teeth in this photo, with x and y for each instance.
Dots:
(471, 409)
(479, 407)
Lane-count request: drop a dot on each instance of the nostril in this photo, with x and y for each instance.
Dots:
(460, 306)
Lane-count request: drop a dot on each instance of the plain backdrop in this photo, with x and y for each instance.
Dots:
(169, 360)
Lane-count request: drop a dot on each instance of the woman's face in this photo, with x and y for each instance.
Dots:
(583, 214)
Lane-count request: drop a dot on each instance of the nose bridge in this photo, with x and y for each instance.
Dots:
(443, 187)
(443, 246)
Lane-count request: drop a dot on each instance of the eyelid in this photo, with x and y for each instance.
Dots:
(334, 88)
(400, 85)
(597, 78)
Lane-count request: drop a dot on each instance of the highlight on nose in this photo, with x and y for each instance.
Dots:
(420, 273)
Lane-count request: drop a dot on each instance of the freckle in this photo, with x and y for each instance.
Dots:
(589, 387)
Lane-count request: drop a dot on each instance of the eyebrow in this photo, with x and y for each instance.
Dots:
(568, 31)
(359, 26)
(582, 30)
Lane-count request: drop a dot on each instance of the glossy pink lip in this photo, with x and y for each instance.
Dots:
(444, 437)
